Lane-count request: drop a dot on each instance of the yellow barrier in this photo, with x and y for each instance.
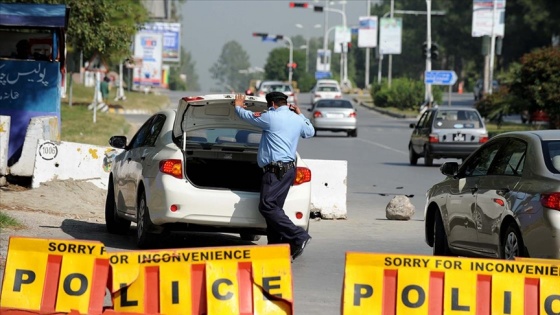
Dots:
(71, 277)
(409, 284)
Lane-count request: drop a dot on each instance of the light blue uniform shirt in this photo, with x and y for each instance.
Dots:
(282, 129)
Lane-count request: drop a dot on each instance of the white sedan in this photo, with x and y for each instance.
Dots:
(194, 168)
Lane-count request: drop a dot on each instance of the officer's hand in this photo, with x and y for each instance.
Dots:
(295, 109)
(239, 100)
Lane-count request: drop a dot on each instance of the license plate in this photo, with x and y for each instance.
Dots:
(459, 138)
(336, 115)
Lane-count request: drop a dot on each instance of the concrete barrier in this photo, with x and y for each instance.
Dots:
(40, 127)
(328, 187)
(69, 160)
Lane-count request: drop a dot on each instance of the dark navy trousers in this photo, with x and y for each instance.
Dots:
(280, 229)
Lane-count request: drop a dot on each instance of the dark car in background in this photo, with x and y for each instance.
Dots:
(502, 202)
(446, 132)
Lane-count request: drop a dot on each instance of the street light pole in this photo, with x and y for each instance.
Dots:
(492, 47)
(366, 80)
(291, 62)
(429, 97)
(307, 44)
(390, 67)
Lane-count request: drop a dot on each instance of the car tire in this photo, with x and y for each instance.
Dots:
(412, 156)
(249, 237)
(143, 224)
(352, 133)
(511, 244)
(440, 247)
(428, 158)
(114, 223)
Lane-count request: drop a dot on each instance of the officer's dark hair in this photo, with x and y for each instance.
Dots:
(277, 97)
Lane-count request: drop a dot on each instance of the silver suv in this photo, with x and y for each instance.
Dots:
(446, 132)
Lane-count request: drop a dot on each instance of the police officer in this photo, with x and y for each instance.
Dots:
(282, 126)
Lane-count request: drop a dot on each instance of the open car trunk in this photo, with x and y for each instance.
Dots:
(223, 169)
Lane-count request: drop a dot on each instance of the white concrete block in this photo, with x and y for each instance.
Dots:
(328, 187)
(4, 142)
(76, 161)
(40, 127)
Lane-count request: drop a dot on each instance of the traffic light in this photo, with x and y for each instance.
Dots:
(425, 51)
(260, 34)
(317, 8)
(298, 5)
(434, 53)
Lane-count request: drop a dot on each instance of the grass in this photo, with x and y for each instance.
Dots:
(77, 121)
(7, 221)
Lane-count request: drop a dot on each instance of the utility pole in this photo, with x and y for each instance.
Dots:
(428, 96)
(390, 68)
(366, 70)
(492, 47)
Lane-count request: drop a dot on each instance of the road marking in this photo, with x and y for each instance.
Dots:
(383, 146)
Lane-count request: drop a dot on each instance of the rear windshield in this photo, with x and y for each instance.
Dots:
(457, 119)
(224, 135)
(334, 104)
(277, 88)
(551, 152)
(327, 88)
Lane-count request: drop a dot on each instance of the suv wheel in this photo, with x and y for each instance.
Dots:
(428, 158)
(143, 224)
(441, 247)
(412, 156)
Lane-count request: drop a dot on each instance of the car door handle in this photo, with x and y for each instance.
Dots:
(502, 191)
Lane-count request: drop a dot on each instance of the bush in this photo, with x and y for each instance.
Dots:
(403, 94)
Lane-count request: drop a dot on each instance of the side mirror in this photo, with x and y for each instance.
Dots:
(118, 142)
(412, 125)
(449, 168)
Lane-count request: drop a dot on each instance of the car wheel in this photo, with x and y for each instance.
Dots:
(511, 243)
(355, 133)
(428, 158)
(143, 224)
(114, 223)
(412, 156)
(249, 237)
(441, 247)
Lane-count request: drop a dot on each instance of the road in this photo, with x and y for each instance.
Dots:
(378, 169)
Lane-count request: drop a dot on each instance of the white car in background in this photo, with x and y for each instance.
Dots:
(325, 91)
(194, 168)
(277, 86)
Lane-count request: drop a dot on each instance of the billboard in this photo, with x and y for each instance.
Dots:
(171, 33)
(390, 36)
(148, 47)
(483, 20)
(367, 32)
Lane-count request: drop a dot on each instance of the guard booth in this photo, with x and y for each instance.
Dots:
(32, 66)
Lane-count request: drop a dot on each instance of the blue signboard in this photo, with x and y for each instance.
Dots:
(440, 77)
(27, 89)
(322, 75)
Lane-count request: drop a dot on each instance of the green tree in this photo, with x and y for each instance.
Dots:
(538, 81)
(226, 70)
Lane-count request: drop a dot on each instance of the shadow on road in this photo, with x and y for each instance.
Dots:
(98, 232)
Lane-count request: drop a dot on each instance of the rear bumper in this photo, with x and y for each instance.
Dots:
(452, 150)
(334, 124)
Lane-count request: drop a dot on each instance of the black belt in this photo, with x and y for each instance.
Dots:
(279, 165)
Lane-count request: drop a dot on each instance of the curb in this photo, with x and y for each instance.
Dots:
(382, 111)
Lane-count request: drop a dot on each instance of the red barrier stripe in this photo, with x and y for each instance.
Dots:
(151, 290)
(435, 293)
(198, 285)
(484, 295)
(531, 296)
(98, 285)
(389, 292)
(50, 287)
(244, 277)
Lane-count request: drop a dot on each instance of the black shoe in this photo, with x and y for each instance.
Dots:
(297, 250)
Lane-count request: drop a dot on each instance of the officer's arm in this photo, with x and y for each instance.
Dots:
(254, 118)
(307, 131)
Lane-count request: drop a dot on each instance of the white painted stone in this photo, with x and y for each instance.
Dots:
(4, 142)
(40, 127)
(399, 208)
(76, 161)
(328, 187)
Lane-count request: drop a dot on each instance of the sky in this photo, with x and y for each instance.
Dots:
(208, 24)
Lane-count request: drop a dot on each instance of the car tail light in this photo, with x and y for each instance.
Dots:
(352, 115)
(551, 200)
(303, 175)
(317, 95)
(171, 167)
(317, 114)
(192, 98)
(338, 96)
(483, 139)
(434, 138)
